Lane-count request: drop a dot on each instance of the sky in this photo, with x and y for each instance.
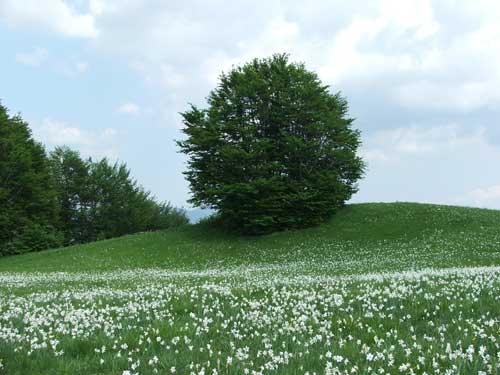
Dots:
(110, 77)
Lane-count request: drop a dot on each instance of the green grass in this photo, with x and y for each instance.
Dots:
(432, 233)
(396, 288)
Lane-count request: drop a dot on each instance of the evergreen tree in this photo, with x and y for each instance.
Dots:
(28, 205)
(274, 150)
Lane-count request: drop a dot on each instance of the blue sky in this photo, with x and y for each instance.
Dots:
(109, 78)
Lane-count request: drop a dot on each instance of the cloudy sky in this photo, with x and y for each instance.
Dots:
(109, 77)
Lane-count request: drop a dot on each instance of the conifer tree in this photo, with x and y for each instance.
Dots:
(28, 204)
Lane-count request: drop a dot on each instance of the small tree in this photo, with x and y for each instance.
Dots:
(274, 150)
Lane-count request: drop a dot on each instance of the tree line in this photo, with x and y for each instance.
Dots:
(56, 199)
(274, 150)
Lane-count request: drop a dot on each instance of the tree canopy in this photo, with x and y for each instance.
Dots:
(99, 199)
(61, 199)
(274, 150)
(28, 203)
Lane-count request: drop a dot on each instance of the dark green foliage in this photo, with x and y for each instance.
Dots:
(113, 201)
(71, 177)
(169, 216)
(118, 206)
(100, 200)
(275, 149)
(28, 205)
(63, 199)
(36, 237)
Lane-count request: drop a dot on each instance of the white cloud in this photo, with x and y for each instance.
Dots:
(463, 75)
(406, 49)
(71, 67)
(128, 108)
(484, 196)
(350, 56)
(170, 77)
(437, 164)
(374, 155)
(67, 67)
(59, 133)
(389, 145)
(109, 132)
(411, 50)
(81, 66)
(34, 58)
(411, 53)
(48, 15)
(96, 143)
(459, 96)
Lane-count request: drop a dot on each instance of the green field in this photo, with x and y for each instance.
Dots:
(380, 289)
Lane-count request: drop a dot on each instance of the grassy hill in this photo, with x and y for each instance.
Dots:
(382, 288)
(375, 236)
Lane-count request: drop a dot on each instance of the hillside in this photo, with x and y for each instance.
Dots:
(382, 288)
(361, 237)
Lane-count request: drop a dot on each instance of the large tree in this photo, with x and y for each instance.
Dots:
(274, 150)
(28, 205)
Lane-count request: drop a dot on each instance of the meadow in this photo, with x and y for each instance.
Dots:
(380, 289)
